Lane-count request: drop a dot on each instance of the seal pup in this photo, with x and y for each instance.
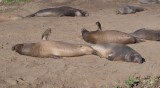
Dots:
(59, 12)
(147, 34)
(127, 9)
(108, 36)
(53, 49)
(118, 52)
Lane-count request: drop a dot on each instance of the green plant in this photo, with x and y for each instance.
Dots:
(131, 81)
(14, 1)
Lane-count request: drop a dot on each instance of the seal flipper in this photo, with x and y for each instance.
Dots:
(99, 26)
(46, 34)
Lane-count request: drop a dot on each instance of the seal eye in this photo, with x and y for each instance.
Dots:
(80, 46)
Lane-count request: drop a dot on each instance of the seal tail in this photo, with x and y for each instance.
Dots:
(31, 15)
(46, 34)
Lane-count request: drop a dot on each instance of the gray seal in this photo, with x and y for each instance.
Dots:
(149, 1)
(108, 36)
(118, 52)
(59, 12)
(127, 9)
(147, 34)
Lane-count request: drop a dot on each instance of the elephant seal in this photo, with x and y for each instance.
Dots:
(53, 49)
(108, 36)
(117, 52)
(127, 9)
(59, 12)
(147, 34)
(149, 1)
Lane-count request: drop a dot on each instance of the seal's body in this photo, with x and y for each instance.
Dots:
(59, 12)
(53, 49)
(118, 52)
(147, 34)
(108, 36)
(127, 9)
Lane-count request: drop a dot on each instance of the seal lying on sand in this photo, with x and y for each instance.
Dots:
(59, 12)
(149, 1)
(147, 34)
(108, 36)
(127, 9)
(118, 52)
(54, 49)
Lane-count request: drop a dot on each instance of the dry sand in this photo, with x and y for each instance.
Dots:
(18, 71)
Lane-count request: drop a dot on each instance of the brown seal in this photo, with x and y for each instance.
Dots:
(147, 34)
(118, 52)
(53, 49)
(59, 12)
(108, 36)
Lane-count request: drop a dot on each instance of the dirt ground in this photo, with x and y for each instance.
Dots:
(18, 71)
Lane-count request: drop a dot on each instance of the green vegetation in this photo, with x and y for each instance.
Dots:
(146, 82)
(14, 1)
(131, 81)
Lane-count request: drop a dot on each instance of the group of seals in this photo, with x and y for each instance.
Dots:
(108, 36)
(54, 49)
(57, 49)
(59, 12)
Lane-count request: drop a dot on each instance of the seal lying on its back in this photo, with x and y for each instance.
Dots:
(128, 9)
(147, 34)
(53, 49)
(59, 12)
(108, 36)
(118, 52)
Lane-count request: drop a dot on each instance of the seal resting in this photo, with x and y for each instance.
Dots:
(108, 36)
(53, 49)
(149, 1)
(59, 12)
(127, 9)
(118, 52)
(147, 34)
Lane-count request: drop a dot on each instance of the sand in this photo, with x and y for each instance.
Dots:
(18, 71)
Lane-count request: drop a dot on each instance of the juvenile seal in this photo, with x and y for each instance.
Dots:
(59, 12)
(108, 36)
(53, 49)
(127, 9)
(118, 52)
(147, 34)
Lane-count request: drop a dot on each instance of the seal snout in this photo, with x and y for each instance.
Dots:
(17, 47)
(139, 59)
(84, 30)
